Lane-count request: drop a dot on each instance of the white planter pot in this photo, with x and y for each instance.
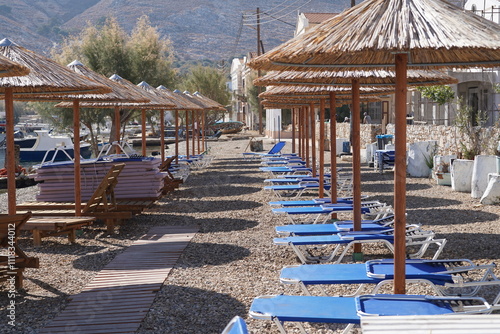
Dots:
(461, 175)
(483, 165)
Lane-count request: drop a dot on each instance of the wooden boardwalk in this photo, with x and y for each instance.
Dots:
(119, 297)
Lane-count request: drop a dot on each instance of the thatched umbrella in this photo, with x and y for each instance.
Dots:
(372, 78)
(158, 102)
(388, 33)
(168, 104)
(45, 77)
(10, 69)
(182, 103)
(118, 93)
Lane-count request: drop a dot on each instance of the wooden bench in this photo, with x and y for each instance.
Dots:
(102, 204)
(13, 260)
(53, 226)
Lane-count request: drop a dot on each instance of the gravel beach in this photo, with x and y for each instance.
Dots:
(232, 258)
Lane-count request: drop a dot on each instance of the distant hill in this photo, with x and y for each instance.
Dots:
(201, 29)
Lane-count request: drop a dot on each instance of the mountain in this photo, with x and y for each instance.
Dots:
(198, 29)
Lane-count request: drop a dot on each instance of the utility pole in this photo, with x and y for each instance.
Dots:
(259, 89)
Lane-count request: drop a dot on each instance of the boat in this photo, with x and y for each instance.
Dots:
(51, 147)
(228, 127)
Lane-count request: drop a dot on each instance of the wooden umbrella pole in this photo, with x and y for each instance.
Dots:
(117, 129)
(162, 135)
(143, 125)
(299, 128)
(293, 130)
(356, 159)
(321, 148)
(187, 134)
(313, 139)
(197, 130)
(177, 136)
(76, 154)
(193, 130)
(203, 119)
(10, 156)
(306, 135)
(333, 147)
(400, 174)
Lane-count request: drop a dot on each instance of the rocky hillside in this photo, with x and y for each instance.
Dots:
(199, 29)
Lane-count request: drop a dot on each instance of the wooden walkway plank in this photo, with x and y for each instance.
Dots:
(119, 297)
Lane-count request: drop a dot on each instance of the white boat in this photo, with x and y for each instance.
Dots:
(51, 147)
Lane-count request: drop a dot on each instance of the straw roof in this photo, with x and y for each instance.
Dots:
(214, 105)
(201, 104)
(181, 102)
(291, 102)
(45, 76)
(154, 101)
(344, 78)
(434, 33)
(10, 69)
(318, 90)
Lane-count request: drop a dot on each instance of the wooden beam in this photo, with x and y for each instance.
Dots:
(400, 174)
(76, 160)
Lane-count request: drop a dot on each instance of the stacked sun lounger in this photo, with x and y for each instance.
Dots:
(140, 179)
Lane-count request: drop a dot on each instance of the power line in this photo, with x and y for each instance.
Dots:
(249, 16)
(246, 22)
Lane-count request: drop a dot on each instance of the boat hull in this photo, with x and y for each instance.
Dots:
(30, 155)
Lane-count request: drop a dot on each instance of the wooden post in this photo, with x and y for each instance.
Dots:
(400, 174)
(306, 135)
(293, 129)
(356, 159)
(117, 129)
(10, 154)
(313, 139)
(203, 119)
(143, 125)
(187, 134)
(193, 130)
(162, 135)
(333, 149)
(299, 121)
(322, 148)
(177, 136)
(76, 154)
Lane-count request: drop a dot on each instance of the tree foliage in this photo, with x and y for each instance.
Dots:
(439, 94)
(209, 82)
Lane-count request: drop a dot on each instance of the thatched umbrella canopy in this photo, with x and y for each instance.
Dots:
(400, 34)
(45, 77)
(433, 33)
(214, 105)
(341, 78)
(9, 68)
(301, 90)
(183, 103)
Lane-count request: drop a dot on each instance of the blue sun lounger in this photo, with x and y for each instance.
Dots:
(236, 326)
(275, 150)
(349, 310)
(320, 213)
(311, 202)
(296, 190)
(417, 240)
(380, 224)
(465, 277)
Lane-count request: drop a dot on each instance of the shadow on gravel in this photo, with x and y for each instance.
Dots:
(470, 245)
(381, 188)
(418, 202)
(450, 216)
(186, 310)
(202, 254)
(221, 191)
(213, 206)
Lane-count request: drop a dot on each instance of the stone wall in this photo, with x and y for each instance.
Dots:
(448, 137)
